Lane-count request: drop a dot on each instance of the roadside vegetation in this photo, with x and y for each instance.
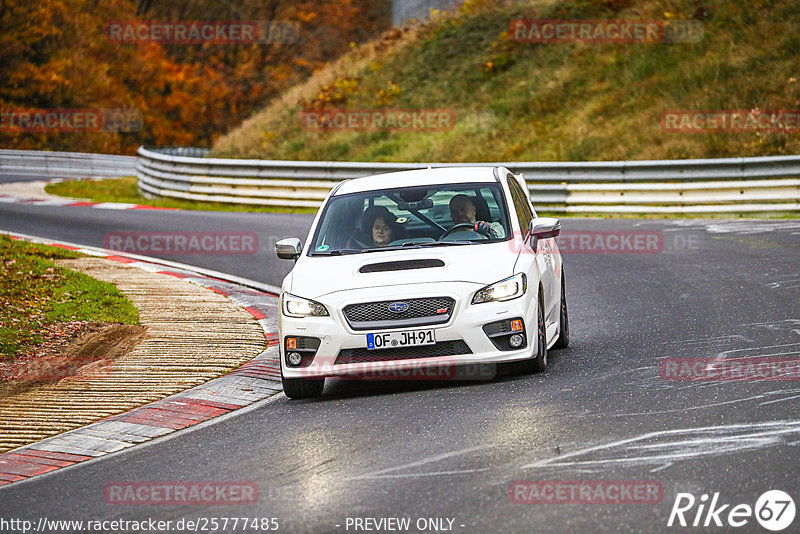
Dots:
(517, 101)
(59, 54)
(40, 299)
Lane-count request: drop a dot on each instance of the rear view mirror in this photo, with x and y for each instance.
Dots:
(289, 249)
(423, 204)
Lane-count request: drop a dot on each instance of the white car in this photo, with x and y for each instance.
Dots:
(421, 269)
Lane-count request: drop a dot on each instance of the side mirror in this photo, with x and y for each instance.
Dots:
(542, 228)
(289, 249)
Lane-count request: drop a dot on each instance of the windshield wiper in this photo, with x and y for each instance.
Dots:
(338, 252)
(404, 246)
(447, 243)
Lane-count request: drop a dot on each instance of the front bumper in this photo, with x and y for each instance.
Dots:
(465, 325)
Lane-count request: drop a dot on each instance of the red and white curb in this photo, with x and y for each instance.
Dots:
(71, 202)
(68, 202)
(254, 381)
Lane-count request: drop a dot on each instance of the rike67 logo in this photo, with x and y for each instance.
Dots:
(774, 510)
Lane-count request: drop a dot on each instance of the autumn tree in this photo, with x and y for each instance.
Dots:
(55, 54)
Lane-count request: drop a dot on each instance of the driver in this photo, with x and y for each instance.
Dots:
(462, 211)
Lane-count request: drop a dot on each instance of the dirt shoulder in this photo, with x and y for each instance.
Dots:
(75, 350)
(188, 335)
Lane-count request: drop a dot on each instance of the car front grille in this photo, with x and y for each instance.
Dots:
(362, 355)
(420, 312)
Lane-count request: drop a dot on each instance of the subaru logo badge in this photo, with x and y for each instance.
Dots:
(398, 307)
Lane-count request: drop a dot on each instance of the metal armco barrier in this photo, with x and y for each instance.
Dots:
(65, 164)
(729, 185)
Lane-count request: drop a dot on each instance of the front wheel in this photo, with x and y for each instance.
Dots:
(302, 388)
(538, 361)
(563, 335)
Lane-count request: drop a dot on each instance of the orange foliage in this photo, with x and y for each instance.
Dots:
(54, 55)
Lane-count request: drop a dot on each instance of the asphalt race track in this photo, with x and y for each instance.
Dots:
(95, 226)
(451, 451)
(7, 177)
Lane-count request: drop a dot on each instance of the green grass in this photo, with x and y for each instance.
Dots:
(550, 102)
(126, 190)
(35, 292)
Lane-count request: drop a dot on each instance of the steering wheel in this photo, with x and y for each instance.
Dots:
(460, 226)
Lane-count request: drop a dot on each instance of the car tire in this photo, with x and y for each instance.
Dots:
(302, 388)
(563, 335)
(538, 360)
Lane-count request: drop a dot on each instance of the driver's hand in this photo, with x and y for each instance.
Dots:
(483, 228)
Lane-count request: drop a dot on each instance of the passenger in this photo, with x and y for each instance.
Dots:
(462, 211)
(379, 223)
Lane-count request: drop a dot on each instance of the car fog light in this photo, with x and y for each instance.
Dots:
(515, 341)
(295, 358)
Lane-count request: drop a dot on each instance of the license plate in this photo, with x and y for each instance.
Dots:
(395, 340)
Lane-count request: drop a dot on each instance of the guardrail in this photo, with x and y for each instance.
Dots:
(765, 184)
(65, 164)
(739, 185)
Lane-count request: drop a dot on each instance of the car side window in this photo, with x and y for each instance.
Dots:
(521, 205)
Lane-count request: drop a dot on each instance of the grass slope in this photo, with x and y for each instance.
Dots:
(548, 102)
(36, 293)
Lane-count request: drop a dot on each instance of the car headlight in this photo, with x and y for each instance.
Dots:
(295, 306)
(508, 289)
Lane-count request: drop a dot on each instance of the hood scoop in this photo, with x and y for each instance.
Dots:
(403, 265)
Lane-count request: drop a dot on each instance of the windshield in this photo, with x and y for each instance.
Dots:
(388, 219)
